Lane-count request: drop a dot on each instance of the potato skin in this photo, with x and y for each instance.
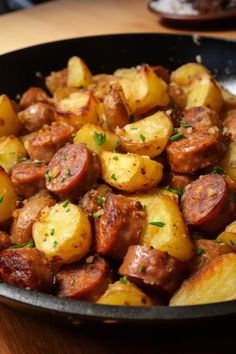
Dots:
(8, 196)
(130, 172)
(79, 74)
(183, 75)
(63, 232)
(213, 283)
(148, 136)
(9, 122)
(124, 295)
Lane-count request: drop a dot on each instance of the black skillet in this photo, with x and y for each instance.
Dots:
(21, 69)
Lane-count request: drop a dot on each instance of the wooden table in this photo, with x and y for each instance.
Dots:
(18, 333)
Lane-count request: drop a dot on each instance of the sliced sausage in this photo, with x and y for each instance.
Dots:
(33, 95)
(119, 226)
(87, 281)
(35, 116)
(177, 181)
(73, 171)
(205, 252)
(230, 125)
(24, 218)
(28, 177)
(57, 79)
(152, 268)
(26, 268)
(209, 203)
(200, 145)
(5, 240)
(45, 143)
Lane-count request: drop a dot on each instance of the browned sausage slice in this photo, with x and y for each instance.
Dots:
(206, 251)
(87, 281)
(119, 226)
(153, 269)
(73, 171)
(35, 116)
(33, 95)
(5, 240)
(230, 125)
(28, 177)
(200, 145)
(24, 218)
(209, 203)
(26, 268)
(45, 143)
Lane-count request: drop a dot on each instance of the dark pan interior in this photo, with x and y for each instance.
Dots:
(20, 70)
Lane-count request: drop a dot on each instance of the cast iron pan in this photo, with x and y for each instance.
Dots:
(104, 54)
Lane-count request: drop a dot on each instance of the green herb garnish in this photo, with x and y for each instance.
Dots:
(199, 251)
(66, 202)
(113, 176)
(1, 199)
(115, 158)
(186, 125)
(157, 223)
(218, 169)
(142, 137)
(54, 244)
(142, 269)
(29, 244)
(52, 231)
(124, 280)
(101, 200)
(179, 192)
(176, 137)
(47, 176)
(99, 138)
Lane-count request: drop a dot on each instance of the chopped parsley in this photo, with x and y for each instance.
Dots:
(124, 280)
(142, 137)
(29, 244)
(179, 192)
(68, 172)
(142, 268)
(1, 199)
(54, 244)
(101, 200)
(132, 118)
(218, 241)
(133, 128)
(62, 179)
(176, 137)
(97, 215)
(186, 125)
(99, 138)
(22, 158)
(63, 157)
(113, 176)
(115, 158)
(157, 223)
(218, 169)
(47, 176)
(199, 251)
(66, 202)
(52, 231)
(67, 211)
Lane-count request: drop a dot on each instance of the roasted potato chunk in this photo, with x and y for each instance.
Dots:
(147, 197)
(8, 196)
(63, 232)
(11, 151)
(183, 75)
(228, 236)
(213, 283)
(130, 172)
(203, 91)
(9, 122)
(96, 138)
(166, 230)
(63, 92)
(101, 85)
(229, 161)
(148, 136)
(79, 74)
(77, 109)
(126, 294)
(56, 80)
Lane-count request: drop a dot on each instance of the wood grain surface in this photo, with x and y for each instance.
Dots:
(20, 334)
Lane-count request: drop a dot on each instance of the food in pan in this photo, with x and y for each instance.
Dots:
(120, 188)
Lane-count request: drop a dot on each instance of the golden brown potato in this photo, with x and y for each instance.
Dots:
(130, 172)
(77, 109)
(79, 74)
(63, 232)
(124, 293)
(101, 85)
(228, 236)
(147, 197)
(203, 91)
(229, 161)
(166, 230)
(213, 283)
(9, 122)
(116, 108)
(63, 92)
(183, 75)
(56, 80)
(177, 95)
(11, 151)
(8, 196)
(148, 136)
(96, 138)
